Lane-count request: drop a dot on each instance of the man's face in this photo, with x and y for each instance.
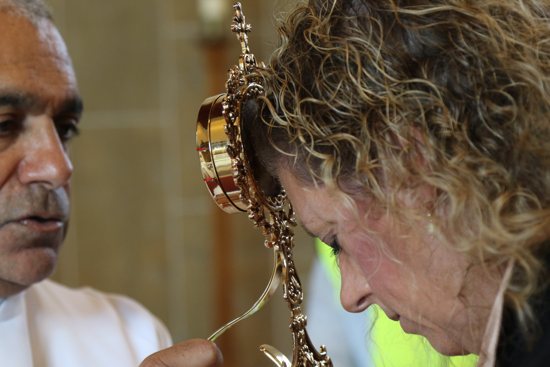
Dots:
(39, 112)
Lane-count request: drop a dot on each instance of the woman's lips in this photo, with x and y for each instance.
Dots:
(394, 317)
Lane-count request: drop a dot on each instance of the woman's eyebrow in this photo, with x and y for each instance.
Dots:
(307, 230)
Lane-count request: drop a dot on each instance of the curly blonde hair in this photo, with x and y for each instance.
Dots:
(386, 96)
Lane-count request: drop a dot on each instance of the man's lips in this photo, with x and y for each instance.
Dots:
(40, 222)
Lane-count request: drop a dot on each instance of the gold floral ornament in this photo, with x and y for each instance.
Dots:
(229, 177)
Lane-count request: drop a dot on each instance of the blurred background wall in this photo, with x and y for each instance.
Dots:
(143, 223)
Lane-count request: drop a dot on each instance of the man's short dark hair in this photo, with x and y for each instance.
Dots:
(34, 10)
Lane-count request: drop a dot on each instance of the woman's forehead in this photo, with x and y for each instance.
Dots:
(317, 208)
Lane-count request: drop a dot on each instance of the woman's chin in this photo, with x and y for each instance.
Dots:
(438, 340)
(446, 346)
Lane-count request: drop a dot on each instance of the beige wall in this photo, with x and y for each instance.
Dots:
(141, 220)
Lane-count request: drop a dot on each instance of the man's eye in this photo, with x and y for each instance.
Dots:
(9, 125)
(67, 129)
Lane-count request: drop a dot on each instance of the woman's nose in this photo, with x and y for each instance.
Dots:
(355, 291)
(45, 158)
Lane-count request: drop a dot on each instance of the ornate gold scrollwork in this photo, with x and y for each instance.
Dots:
(228, 175)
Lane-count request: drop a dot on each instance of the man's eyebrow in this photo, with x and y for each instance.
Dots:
(72, 105)
(17, 100)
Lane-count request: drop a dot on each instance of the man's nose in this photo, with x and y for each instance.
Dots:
(45, 159)
(355, 291)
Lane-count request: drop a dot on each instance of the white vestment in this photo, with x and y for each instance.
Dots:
(50, 325)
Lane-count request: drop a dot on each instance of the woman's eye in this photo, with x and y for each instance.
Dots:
(335, 247)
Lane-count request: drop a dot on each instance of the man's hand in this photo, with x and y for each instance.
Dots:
(190, 353)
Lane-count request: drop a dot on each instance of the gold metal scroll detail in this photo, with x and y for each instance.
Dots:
(272, 214)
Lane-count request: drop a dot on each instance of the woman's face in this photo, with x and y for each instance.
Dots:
(429, 288)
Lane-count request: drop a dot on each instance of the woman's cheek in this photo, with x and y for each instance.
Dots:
(386, 280)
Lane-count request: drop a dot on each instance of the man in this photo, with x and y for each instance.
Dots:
(43, 323)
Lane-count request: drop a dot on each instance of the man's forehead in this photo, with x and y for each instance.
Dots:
(38, 36)
(35, 68)
(33, 57)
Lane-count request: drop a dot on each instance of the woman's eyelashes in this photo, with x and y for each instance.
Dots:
(335, 246)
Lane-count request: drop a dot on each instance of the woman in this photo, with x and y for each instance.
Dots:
(413, 137)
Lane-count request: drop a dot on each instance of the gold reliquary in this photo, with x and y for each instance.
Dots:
(230, 178)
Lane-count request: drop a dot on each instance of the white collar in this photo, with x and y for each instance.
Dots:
(487, 355)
